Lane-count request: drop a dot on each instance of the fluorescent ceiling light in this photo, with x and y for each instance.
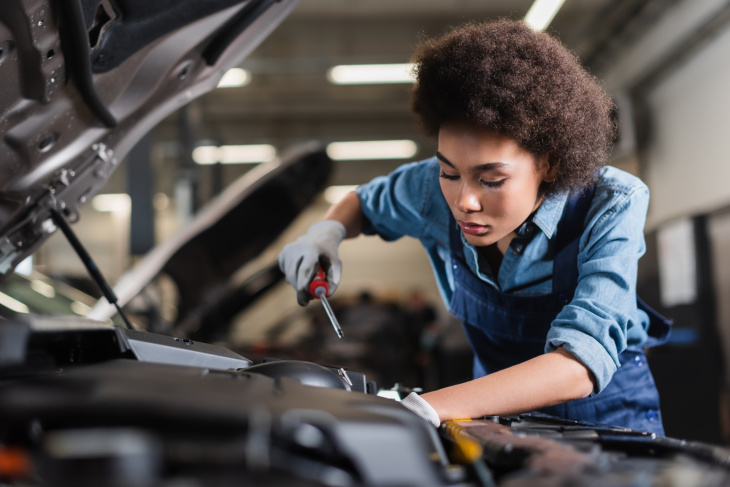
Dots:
(541, 13)
(372, 149)
(206, 154)
(119, 202)
(348, 74)
(335, 194)
(43, 288)
(234, 154)
(13, 304)
(234, 78)
(80, 308)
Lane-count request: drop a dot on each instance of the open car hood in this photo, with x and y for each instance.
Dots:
(84, 80)
(228, 232)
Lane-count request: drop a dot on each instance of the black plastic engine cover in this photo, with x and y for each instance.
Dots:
(195, 418)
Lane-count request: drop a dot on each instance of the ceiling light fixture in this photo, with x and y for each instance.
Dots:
(80, 308)
(372, 149)
(13, 304)
(43, 288)
(350, 74)
(113, 202)
(234, 154)
(335, 194)
(234, 78)
(542, 13)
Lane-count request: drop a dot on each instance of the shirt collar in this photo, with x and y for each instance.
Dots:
(549, 213)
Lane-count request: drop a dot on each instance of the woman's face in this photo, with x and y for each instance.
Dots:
(490, 183)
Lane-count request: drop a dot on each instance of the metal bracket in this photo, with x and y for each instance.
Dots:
(344, 375)
(105, 155)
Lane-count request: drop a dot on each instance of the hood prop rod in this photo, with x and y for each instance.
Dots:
(94, 271)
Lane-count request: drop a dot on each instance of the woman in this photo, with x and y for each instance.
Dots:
(533, 242)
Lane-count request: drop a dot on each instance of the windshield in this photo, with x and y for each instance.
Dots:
(42, 295)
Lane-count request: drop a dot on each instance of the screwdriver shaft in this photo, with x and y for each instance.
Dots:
(321, 294)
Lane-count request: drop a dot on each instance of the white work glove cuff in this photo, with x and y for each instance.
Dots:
(332, 230)
(418, 405)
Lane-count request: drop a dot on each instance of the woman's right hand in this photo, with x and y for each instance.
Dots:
(300, 260)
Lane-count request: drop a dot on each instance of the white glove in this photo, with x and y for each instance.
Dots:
(300, 260)
(418, 405)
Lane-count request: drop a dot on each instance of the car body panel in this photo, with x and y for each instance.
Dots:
(229, 231)
(58, 146)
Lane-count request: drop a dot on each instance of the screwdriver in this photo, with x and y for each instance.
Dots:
(319, 289)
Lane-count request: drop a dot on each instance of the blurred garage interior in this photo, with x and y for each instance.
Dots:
(664, 62)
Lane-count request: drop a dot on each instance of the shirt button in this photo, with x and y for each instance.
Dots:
(529, 229)
(455, 266)
(651, 415)
(638, 362)
(517, 249)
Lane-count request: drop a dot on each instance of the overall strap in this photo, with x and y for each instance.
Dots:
(570, 229)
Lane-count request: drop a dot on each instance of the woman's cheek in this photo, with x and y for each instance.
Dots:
(498, 206)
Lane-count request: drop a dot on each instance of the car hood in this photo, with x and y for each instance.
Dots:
(84, 80)
(228, 232)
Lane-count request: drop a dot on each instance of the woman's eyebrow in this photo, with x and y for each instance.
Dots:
(441, 157)
(488, 166)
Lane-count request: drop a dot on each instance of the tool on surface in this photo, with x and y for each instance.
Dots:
(319, 289)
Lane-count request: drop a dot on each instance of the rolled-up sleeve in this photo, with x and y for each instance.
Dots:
(393, 205)
(593, 326)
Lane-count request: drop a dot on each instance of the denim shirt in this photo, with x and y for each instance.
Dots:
(601, 321)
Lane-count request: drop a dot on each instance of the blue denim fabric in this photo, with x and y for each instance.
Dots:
(601, 321)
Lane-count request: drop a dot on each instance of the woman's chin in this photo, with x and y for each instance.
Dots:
(481, 240)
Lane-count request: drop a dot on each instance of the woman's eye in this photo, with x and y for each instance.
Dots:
(493, 184)
(449, 177)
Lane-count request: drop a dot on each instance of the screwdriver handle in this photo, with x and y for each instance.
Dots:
(317, 283)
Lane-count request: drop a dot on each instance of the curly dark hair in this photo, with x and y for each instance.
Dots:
(526, 85)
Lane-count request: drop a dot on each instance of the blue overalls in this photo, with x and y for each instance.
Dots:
(505, 330)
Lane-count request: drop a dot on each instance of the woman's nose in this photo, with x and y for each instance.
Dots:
(467, 200)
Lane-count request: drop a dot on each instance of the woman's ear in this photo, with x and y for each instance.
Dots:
(548, 168)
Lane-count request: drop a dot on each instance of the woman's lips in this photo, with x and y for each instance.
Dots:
(472, 228)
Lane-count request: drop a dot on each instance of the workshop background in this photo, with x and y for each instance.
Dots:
(663, 61)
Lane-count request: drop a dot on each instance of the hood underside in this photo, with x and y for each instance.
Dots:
(84, 80)
(231, 230)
